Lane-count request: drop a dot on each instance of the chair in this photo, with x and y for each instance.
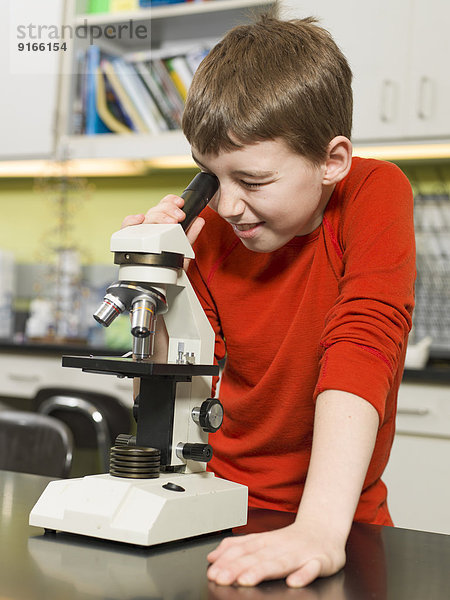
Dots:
(33, 443)
(95, 419)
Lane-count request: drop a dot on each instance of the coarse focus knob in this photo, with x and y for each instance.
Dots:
(198, 452)
(209, 416)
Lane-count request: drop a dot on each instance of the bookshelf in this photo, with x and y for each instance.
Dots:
(173, 29)
(170, 11)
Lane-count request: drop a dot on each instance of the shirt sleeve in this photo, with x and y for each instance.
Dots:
(365, 333)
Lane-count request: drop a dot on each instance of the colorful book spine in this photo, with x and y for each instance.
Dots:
(161, 74)
(104, 109)
(158, 95)
(176, 78)
(122, 95)
(139, 96)
(94, 124)
(98, 6)
(123, 5)
(148, 3)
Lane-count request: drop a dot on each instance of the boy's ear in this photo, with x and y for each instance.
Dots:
(338, 161)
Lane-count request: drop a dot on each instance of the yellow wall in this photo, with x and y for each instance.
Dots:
(29, 215)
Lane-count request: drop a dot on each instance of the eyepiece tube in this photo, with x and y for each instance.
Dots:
(197, 195)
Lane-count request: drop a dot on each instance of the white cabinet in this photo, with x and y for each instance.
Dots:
(399, 53)
(418, 472)
(429, 82)
(29, 83)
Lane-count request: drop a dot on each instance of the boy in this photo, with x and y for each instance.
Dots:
(305, 267)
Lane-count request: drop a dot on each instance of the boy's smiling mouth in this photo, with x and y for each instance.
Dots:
(246, 230)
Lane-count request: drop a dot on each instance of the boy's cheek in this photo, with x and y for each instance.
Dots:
(213, 203)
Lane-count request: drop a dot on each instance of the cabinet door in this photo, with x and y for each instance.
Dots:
(418, 483)
(29, 78)
(418, 473)
(429, 82)
(374, 40)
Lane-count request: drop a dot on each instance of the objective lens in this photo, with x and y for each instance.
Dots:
(143, 326)
(110, 308)
(143, 316)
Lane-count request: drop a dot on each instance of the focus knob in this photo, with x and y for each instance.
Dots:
(209, 416)
(199, 452)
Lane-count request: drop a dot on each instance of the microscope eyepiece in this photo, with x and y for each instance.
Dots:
(197, 195)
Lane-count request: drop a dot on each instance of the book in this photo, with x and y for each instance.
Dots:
(148, 3)
(161, 75)
(128, 107)
(98, 6)
(181, 65)
(139, 95)
(177, 75)
(105, 109)
(122, 5)
(78, 113)
(163, 102)
(94, 124)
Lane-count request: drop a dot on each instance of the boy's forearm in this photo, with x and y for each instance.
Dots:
(345, 430)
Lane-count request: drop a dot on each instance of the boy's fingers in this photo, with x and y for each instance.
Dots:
(305, 575)
(194, 229)
(132, 220)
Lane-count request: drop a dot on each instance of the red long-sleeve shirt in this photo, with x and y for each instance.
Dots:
(329, 310)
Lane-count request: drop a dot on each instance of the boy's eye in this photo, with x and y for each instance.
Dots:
(250, 185)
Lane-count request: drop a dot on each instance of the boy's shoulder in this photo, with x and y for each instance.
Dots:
(365, 171)
(374, 192)
(370, 180)
(363, 168)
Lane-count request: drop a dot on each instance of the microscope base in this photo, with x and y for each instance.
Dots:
(141, 511)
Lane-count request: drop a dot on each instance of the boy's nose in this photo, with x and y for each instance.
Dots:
(229, 203)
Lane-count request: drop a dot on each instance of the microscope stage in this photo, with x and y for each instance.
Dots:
(128, 367)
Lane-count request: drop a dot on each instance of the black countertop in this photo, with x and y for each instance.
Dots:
(383, 563)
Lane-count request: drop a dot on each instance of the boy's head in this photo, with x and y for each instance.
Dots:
(271, 79)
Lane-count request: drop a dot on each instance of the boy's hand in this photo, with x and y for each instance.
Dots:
(299, 553)
(166, 212)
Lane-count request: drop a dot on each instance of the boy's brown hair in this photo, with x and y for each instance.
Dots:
(271, 79)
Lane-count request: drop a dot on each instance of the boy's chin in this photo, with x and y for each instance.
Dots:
(263, 245)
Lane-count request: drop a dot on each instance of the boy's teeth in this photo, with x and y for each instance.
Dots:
(246, 227)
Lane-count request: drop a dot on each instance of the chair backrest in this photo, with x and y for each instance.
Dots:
(83, 402)
(34, 443)
(94, 419)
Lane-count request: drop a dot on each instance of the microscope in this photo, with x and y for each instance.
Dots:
(158, 489)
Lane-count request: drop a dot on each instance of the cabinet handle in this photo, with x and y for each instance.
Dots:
(23, 378)
(388, 101)
(425, 106)
(414, 412)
